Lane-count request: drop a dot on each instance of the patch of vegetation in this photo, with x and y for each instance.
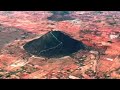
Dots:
(90, 73)
(1, 75)
(98, 21)
(80, 59)
(94, 32)
(98, 12)
(109, 41)
(112, 23)
(1, 70)
(106, 76)
(7, 12)
(86, 31)
(109, 16)
(97, 33)
(81, 77)
(8, 75)
(118, 71)
(13, 73)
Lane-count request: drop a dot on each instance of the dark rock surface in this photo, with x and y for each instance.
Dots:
(53, 44)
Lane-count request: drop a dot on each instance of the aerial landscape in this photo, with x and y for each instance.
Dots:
(59, 44)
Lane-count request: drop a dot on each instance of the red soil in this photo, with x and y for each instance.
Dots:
(101, 31)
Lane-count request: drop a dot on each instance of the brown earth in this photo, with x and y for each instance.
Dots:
(100, 30)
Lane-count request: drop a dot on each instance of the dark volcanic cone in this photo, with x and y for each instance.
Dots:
(53, 44)
(60, 16)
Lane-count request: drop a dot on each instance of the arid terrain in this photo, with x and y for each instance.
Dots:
(99, 30)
